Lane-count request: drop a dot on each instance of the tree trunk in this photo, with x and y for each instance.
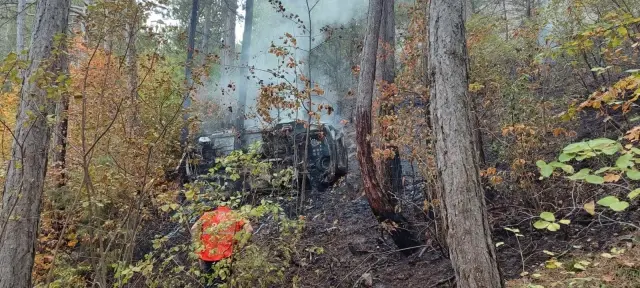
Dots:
(244, 68)
(20, 26)
(390, 170)
(22, 197)
(468, 235)
(132, 52)
(184, 137)
(60, 137)
(383, 205)
(229, 8)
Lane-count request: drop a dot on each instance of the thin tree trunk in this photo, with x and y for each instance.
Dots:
(390, 170)
(244, 70)
(187, 72)
(60, 138)
(229, 8)
(132, 52)
(206, 33)
(22, 197)
(471, 249)
(20, 25)
(383, 205)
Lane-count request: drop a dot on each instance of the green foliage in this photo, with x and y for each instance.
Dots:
(548, 221)
(256, 262)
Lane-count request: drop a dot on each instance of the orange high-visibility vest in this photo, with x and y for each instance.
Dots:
(218, 230)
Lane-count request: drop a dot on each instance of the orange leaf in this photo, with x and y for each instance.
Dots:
(611, 178)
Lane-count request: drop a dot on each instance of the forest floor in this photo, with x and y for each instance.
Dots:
(357, 254)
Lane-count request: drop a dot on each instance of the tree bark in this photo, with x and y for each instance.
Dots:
(186, 104)
(229, 8)
(22, 197)
(383, 205)
(468, 233)
(390, 170)
(20, 26)
(244, 68)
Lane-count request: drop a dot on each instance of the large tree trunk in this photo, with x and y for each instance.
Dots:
(382, 204)
(468, 232)
(244, 69)
(24, 183)
(390, 169)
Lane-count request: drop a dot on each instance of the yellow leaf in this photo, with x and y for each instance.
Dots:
(72, 243)
(590, 207)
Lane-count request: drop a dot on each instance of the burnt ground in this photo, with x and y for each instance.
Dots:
(356, 251)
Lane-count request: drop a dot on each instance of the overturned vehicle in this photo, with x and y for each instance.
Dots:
(284, 147)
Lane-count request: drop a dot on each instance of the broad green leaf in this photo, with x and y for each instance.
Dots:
(575, 147)
(541, 163)
(541, 224)
(602, 170)
(553, 227)
(619, 206)
(633, 174)
(633, 194)
(610, 150)
(566, 168)
(546, 171)
(594, 179)
(590, 207)
(600, 143)
(564, 157)
(580, 175)
(624, 161)
(565, 221)
(548, 216)
(607, 201)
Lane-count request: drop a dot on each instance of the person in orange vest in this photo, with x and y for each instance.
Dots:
(214, 235)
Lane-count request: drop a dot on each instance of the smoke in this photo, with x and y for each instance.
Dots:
(270, 26)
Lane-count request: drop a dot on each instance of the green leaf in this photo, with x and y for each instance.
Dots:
(607, 201)
(624, 161)
(622, 31)
(633, 194)
(541, 163)
(575, 147)
(548, 216)
(579, 266)
(541, 224)
(553, 227)
(546, 171)
(566, 168)
(602, 170)
(565, 221)
(619, 206)
(633, 174)
(581, 175)
(594, 179)
(564, 157)
(600, 143)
